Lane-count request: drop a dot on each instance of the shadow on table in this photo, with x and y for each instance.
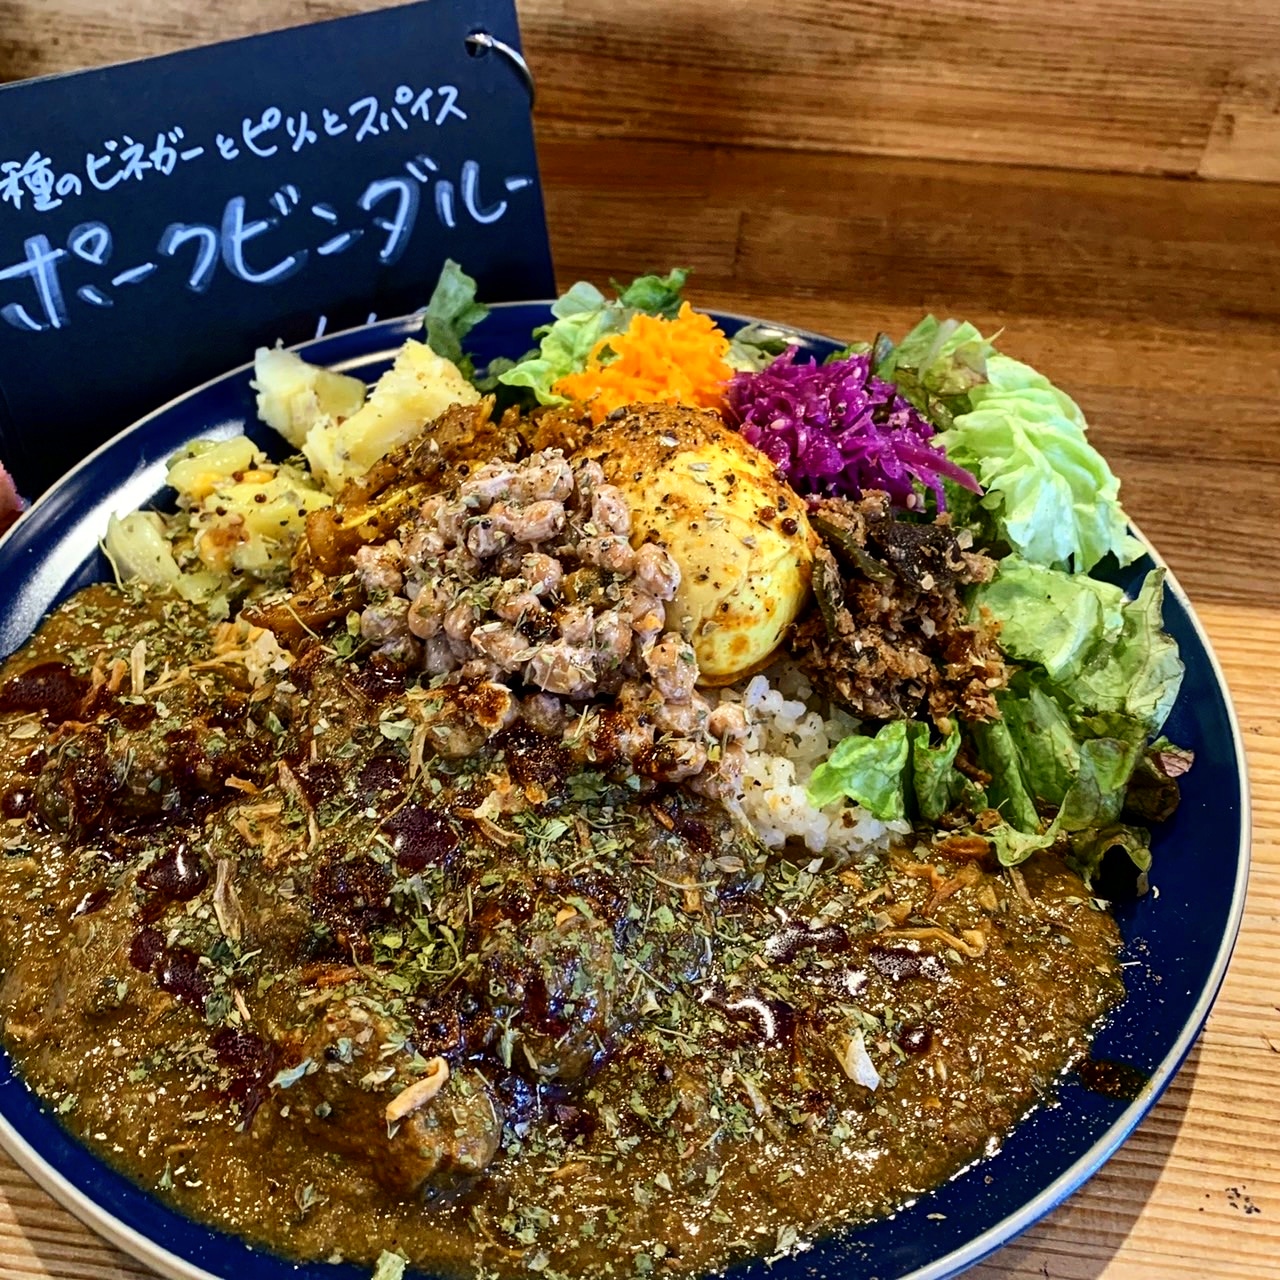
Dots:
(1079, 1240)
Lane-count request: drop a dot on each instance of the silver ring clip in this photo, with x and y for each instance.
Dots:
(480, 43)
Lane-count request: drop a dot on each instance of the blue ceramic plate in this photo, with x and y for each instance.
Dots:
(1180, 938)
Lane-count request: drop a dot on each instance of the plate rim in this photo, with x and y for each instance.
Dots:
(1000, 1233)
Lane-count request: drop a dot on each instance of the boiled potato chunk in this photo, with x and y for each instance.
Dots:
(205, 464)
(294, 396)
(239, 512)
(738, 532)
(250, 524)
(420, 386)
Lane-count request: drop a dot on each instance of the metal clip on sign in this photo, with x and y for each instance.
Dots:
(481, 43)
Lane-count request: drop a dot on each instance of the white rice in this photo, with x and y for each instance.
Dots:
(790, 732)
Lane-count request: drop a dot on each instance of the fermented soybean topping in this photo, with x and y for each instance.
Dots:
(308, 978)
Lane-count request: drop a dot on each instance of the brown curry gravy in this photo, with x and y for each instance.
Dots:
(705, 1116)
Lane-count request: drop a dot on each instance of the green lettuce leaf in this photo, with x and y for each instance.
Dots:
(1139, 673)
(1014, 847)
(451, 314)
(937, 783)
(656, 295)
(1047, 749)
(867, 770)
(1048, 617)
(1102, 652)
(1050, 493)
(999, 754)
(895, 773)
(1105, 765)
(858, 349)
(1153, 793)
(1075, 746)
(583, 316)
(936, 366)
(1089, 848)
(1085, 849)
(757, 345)
(490, 380)
(1046, 756)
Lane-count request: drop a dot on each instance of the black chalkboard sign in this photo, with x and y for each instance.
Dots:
(160, 219)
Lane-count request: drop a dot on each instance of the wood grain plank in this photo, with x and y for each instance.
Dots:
(868, 233)
(39, 1238)
(1245, 139)
(1133, 85)
(1120, 86)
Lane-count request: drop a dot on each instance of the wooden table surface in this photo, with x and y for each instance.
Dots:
(1154, 300)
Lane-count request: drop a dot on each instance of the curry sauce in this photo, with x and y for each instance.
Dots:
(286, 955)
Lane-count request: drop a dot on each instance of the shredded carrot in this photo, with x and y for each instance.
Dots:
(677, 361)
